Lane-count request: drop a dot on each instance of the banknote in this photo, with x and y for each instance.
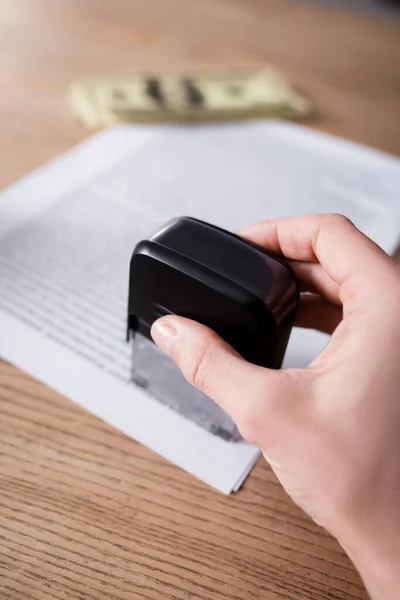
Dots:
(185, 97)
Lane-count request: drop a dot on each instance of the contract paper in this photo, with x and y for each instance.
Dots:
(67, 232)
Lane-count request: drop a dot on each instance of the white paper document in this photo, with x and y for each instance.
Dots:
(67, 232)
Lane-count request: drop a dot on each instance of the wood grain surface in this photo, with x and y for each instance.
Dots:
(85, 512)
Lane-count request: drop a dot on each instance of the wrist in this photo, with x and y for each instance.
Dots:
(374, 548)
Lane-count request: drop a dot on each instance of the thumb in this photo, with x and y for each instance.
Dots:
(254, 397)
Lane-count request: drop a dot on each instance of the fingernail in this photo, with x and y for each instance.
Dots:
(248, 228)
(244, 231)
(164, 333)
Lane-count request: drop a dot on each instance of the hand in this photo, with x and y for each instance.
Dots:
(331, 431)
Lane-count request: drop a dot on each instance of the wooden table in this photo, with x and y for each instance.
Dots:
(85, 512)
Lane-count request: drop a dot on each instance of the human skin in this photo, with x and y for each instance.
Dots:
(330, 431)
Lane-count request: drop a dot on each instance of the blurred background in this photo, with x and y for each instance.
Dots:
(344, 55)
(385, 8)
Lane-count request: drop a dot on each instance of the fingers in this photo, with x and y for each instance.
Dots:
(350, 259)
(313, 278)
(246, 392)
(315, 312)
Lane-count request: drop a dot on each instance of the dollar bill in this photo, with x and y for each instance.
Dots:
(185, 97)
